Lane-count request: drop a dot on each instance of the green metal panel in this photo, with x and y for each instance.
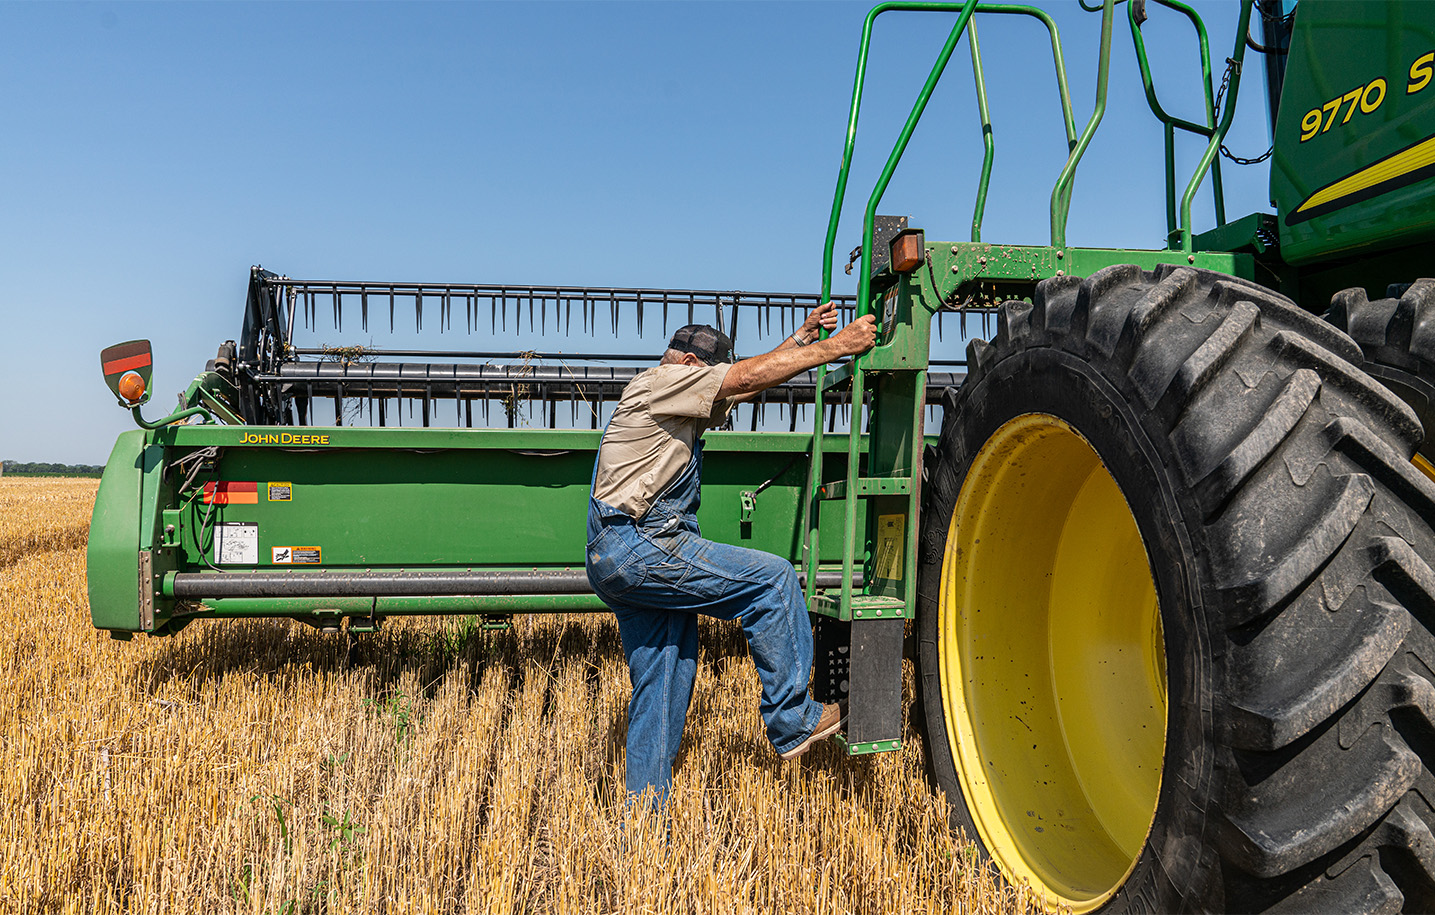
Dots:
(391, 499)
(113, 554)
(1360, 175)
(982, 274)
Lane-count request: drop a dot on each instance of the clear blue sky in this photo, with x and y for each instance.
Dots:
(152, 152)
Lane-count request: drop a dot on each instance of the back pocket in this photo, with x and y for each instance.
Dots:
(613, 567)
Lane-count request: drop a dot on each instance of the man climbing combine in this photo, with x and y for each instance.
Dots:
(649, 564)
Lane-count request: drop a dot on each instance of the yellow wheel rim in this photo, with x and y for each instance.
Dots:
(1423, 465)
(1053, 663)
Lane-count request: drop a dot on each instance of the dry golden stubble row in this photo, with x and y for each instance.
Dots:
(43, 513)
(434, 766)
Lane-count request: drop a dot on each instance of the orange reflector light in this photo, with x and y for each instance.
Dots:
(131, 387)
(908, 250)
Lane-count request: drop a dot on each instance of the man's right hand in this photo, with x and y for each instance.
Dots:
(856, 338)
(759, 373)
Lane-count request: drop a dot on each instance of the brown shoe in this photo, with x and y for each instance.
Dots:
(830, 723)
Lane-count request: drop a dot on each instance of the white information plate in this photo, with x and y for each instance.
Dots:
(236, 544)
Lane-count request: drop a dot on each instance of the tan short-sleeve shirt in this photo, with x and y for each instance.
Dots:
(651, 436)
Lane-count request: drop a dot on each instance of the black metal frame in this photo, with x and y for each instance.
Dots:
(278, 383)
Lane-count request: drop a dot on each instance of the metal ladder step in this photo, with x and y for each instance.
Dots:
(839, 377)
(867, 486)
(864, 606)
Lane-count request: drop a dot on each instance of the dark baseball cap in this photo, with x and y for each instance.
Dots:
(707, 343)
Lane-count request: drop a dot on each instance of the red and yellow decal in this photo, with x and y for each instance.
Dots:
(231, 493)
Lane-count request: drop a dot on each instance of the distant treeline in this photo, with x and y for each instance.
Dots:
(40, 467)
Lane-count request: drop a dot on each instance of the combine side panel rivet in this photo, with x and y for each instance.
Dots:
(954, 249)
(1060, 254)
(1061, 273)
(1190, 258)
(954, 268)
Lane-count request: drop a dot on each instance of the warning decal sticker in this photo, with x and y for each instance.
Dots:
(236, 544)
(281, 492)
(231, 493)
(296, 555)
(888, 561)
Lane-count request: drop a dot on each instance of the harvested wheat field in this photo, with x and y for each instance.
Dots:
(262, 767)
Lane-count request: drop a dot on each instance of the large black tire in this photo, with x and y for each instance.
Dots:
(1397, 336)
(1287, 538)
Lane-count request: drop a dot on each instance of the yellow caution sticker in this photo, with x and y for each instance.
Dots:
(890, 548)
(281, 492)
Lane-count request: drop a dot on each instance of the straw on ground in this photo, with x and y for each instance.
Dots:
(433, 767)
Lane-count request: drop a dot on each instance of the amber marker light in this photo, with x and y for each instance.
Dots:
(131, 387)
(908, 249)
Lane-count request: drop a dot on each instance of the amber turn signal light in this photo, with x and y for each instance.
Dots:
(131, 387)
(908, 250)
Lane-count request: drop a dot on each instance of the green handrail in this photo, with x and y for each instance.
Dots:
(1060, 206)
(1061, 194)
(864, 286)
(988, 141)
(989, 146)
(1169, 122)
(964, 9)
(1213, 148)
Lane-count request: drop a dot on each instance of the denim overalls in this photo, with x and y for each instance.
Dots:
(656, 574)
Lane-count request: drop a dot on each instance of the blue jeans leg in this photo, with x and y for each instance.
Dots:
(779, 638)
(661, 647)
(656, 583)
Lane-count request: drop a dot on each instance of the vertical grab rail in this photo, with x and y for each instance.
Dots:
(989, 146)
(1213, 148)
(809, 507)
(988, 141)
(1170, 123)
(1061, 193)
(1214, 131)
(1060, 205)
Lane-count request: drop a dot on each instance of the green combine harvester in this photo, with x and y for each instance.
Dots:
(1165, 574)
